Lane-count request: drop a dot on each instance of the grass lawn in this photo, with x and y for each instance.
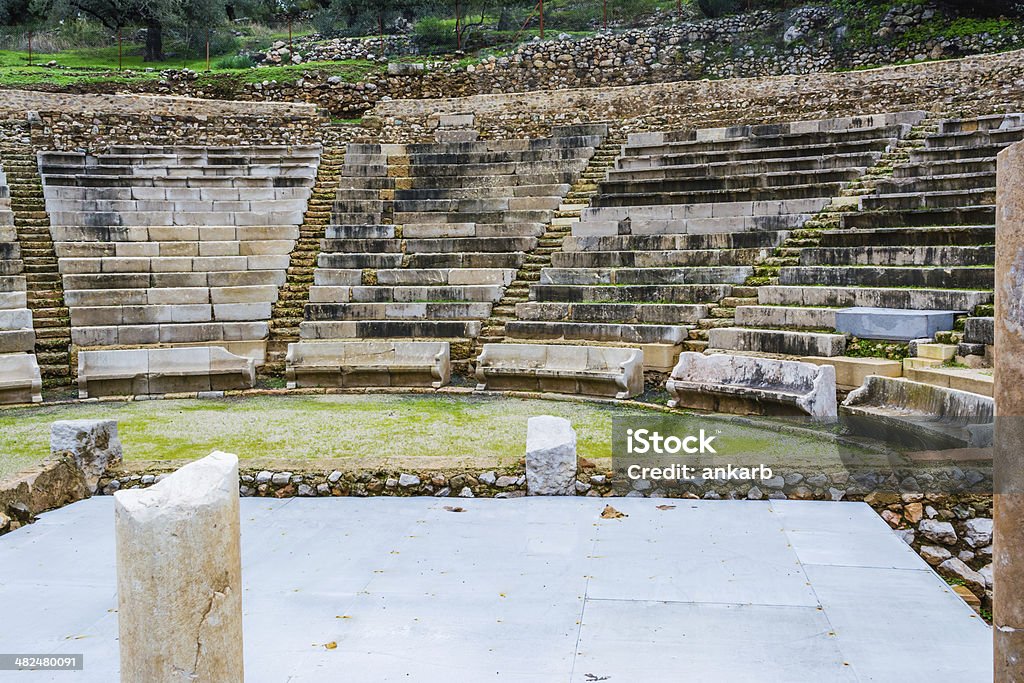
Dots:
(378, 429)
(99, 65)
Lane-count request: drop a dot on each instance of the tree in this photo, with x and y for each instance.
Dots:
(154, 15)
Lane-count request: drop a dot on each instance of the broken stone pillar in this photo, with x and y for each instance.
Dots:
(1008, 551)
(550, 457)
(92, 443)
(179, 576)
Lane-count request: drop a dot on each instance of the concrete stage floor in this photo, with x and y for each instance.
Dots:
(538, 590)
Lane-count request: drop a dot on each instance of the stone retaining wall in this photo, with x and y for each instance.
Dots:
(64, 122)
(972, 85)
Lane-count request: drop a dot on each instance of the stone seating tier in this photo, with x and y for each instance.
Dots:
(176, 245)
(368, 364)
(428, 253)
(137, 372)
(923, 243)
(592, 370)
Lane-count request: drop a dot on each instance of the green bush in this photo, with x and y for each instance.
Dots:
(325, 22)
(435, 34)
(233, 62)
(78, 33)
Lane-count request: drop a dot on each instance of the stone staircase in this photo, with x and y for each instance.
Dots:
(661, 257)
(568, 213)
(919, 244)
(45, 293)
(286, 314)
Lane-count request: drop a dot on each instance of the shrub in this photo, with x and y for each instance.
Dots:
(435, 34)
(233, 62)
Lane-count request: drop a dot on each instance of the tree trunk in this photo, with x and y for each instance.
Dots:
(154, 42)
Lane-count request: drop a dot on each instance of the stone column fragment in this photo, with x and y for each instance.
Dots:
(93, 444)
(1008, 512)
(179, 576)
(550, 457)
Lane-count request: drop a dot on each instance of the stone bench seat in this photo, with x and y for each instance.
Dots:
(323, 308)
(20, 381)
(498, 216)
(194, 181)
(669, 157)
(591, 370)
(632, 313)
(16, 331)
(630, 293)
(682, 242)
(692, 226)
(783, 342)
(130, 207)
(927, 154)
(170, 333)
(170, 249)
(162, 370)
(514, 184)
(12, 292)
(174, 264)
(930, 200)
(476, 204)
(469, 259)
(770, 207)
(368, 364)
(977, 277)
(460, 230)
(364, 231)
(513, 192)
(901, 218)
(358, 260)
(446, 276)
(652, 168)
(875, 297)
(152, 314)
(389, 329)
(448, 245)
(942, 167)
(613, 332)
(440, 158)
(920, 416)
(529, 169)
(927, 236)
(164, 233)
(753, 194)
(173, 280)
(936, 183)
(656, 259)
(795, 317)
(514, 144)
(623, 183)
(903, 256)
(751, 385)
(175, 218)
(700, 275)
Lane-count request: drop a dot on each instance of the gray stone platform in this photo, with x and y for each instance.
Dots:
(530, 590)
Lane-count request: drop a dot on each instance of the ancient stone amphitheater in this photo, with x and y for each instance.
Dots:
(161, 246)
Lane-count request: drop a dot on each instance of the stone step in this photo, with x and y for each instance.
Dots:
(628, 313)
(878, 276)
(630, 293)
(961, 235)
(944, 256)
(787, 342)
(646, 276)
(390, 329)
(786, 317)
(964, 215)
(593, 331)
(873, 297)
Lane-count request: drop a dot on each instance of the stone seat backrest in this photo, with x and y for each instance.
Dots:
(734, 370)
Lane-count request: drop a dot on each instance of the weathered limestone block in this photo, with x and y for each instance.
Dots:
(550, 457)
(1008, 512)
(93, 444)
(179, 576)
(55, 482)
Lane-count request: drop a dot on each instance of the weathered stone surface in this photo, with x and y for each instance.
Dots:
(53, 483)
(955, 568)
(93, 444)
(550, 457)
(179, 576)
(978, 532)
(934, 555)
(940, 532)
(723, 381)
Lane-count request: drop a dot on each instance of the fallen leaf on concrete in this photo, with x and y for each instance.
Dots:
(666, 507)
(611, 513)
(449, 508)
(331, 645)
